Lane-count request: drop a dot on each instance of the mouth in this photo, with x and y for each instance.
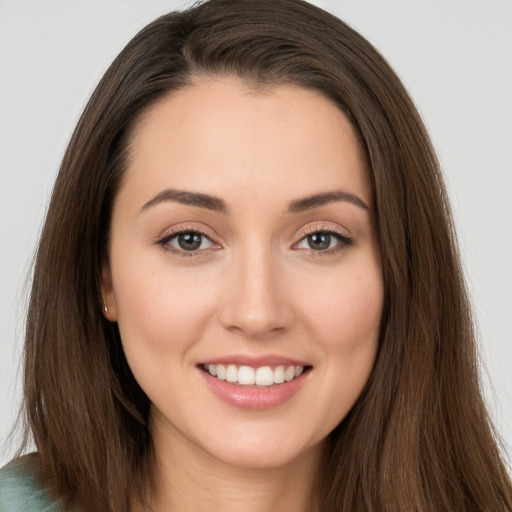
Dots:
(252, 384)
(261, 376)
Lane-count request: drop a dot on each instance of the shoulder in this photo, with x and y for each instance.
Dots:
(20, 490)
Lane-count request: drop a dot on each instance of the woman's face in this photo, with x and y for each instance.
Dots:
(244, 270)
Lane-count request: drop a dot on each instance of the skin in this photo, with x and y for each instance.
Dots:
(255, 286)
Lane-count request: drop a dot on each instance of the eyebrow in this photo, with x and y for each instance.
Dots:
(218, 205)
(316, 200)
(189, 198)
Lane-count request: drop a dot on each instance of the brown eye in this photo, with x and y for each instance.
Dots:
(319, 241)
(186, 241)
(324, 241)
(189, 241)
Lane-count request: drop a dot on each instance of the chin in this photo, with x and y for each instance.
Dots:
(264, 452)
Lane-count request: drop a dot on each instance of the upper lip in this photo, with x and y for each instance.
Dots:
(256, 361)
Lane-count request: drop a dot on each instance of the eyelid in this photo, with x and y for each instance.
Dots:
(341, 234)
(315, 227)
(344, 238)
(174, 231)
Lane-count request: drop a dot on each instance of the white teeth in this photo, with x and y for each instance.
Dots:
(264, 376)
(221, 371)
(289, 374)
(248, 376)
(231, 373)
(279, 375)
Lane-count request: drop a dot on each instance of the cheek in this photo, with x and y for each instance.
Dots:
(348, 325)
(162, 315)
(342, 315)
(160, 308)
(346, 310)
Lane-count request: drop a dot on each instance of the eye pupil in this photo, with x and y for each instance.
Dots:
(189, 241)
(319, 241)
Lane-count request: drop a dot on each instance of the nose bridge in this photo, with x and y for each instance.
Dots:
(254, 303)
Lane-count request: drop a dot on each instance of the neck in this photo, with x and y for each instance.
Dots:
(188, 479)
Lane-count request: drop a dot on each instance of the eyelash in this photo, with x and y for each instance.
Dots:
(344, 241)
(164, 241)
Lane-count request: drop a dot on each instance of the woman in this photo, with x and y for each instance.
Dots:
(247, 292)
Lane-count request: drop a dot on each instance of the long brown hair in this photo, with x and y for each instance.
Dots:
(419, 437)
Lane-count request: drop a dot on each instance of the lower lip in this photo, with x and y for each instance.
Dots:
(254, 398)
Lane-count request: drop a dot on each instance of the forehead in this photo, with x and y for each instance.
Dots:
(219, 135)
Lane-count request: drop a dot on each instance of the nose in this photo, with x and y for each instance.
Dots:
(256, 302)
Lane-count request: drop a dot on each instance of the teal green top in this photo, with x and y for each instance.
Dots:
(21, 492)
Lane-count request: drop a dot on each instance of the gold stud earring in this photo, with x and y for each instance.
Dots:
(105, 307)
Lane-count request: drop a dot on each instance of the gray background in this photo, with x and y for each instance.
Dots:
(455, 57)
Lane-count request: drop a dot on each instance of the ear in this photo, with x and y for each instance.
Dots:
(108, 306)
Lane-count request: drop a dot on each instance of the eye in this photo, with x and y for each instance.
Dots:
(318, 242)
(323, 241)
(188, 241)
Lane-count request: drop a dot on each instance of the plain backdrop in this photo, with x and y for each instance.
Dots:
(454, 56)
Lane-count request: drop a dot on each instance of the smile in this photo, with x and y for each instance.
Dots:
(254, 384)
(262, 376)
